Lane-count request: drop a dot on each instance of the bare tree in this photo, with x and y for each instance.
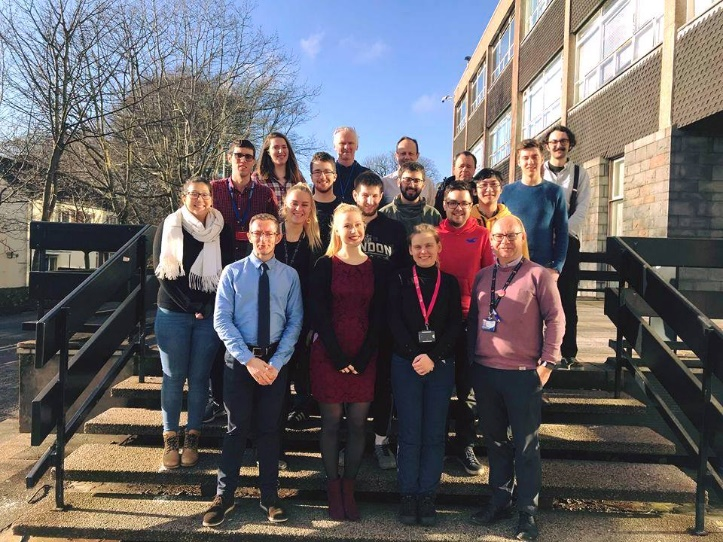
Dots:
(385, 163)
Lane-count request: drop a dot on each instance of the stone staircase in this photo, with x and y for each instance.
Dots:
(594, 447)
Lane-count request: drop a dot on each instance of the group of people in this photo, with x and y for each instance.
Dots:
(370, 295)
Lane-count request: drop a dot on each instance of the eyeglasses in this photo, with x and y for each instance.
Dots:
(452, 204)
(488, 186)
(265, 234)
(243, 156)
(412, 180)
(561, 142)
(196, 195)
(498, 237)
(325, 173)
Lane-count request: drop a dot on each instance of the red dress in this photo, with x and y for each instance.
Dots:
(352, 288)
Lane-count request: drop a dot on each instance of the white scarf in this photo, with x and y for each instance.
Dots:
(206, 270)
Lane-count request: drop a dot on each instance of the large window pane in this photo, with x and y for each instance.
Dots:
(499, 139)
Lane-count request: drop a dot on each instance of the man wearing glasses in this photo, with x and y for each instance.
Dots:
(407, 151)
(239, 198)
(323, 176)
(409, 207)
(514, 331)
(465, 250)
(259, 331)
(574, 180)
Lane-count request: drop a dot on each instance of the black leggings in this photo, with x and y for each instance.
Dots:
(356, 417)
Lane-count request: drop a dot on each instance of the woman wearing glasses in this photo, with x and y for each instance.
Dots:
(277, 167)
(187, 260)
(299, 248)
(347, 303)
(425, 317)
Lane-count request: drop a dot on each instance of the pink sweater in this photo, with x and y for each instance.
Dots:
(520, 341)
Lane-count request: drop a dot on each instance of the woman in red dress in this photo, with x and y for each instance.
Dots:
(346, 310)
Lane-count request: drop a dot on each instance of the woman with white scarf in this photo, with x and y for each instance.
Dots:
(187, 259)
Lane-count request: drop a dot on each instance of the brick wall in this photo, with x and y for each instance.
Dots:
(580, 11)
(594, 233)
(475, 124)
(625, 110)
(542, 43)
(698, 78)
(499, 95)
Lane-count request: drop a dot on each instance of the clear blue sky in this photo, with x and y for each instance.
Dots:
(383, 66)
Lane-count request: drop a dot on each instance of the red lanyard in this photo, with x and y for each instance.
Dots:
(426, 311)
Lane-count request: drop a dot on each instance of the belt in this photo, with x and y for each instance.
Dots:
(263, 352)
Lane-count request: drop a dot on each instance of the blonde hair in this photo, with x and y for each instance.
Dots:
(335, 242)
(311, 226)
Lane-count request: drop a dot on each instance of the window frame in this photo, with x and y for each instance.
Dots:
(476, 93)
(460, 115)
(499, 64)
(701, 6)
(534, 14)
(606, 68)
(495, 152)
(478, 149)
(542, 83)
(616, 200)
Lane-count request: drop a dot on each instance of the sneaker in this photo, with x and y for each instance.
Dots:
(527, 527)
(213, 411)
(408, 510)
(384, 456)
(491, 514)
(469, 461)
(171, 456)
(275, 513)
(342, 456)
(283, 465)
(569, 363)
(189, 457)
(426, 510)
(217, 511)
(296, 419)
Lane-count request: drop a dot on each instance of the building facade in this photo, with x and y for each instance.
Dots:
(639, 82)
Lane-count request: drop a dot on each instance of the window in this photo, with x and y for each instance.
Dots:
(477, 88)
(478, 149)
(541, 100)
(535, 9)
(703, 5)
(460, 115)
(615, 210)
(502, 52)
(618, 35)
(499, 139)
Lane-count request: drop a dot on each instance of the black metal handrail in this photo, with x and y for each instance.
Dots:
(123, 331)
(642, 294)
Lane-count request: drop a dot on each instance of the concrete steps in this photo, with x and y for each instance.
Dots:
(610, 439)
(560, 478)
(175, 519)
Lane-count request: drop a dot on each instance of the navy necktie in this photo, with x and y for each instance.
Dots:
(264, 322)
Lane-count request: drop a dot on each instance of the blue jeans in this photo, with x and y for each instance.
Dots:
(422, 404)
(187, 347)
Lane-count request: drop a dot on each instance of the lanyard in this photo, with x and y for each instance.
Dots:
(426, 311)
(286, 247)
(245, 217)
(350, 178)
(496, 298)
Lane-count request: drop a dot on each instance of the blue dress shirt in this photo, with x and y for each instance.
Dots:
(236, 316)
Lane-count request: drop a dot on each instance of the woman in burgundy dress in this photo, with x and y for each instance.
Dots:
(346, 310)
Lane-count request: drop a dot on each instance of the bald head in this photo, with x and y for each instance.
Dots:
(508, 238)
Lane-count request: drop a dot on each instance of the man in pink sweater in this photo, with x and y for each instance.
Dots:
(512, 356)
(465, 250)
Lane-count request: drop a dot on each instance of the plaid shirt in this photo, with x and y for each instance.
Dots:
(277, 186)
(237, 219)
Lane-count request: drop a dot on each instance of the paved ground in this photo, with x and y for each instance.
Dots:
(655, 524)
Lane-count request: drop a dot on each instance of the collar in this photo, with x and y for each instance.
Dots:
(257, 263)
(509, 265)
(248, 185)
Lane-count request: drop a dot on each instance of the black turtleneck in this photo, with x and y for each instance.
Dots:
(405, 315)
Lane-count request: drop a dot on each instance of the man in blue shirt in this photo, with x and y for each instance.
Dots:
(542, 208)
(258, 317)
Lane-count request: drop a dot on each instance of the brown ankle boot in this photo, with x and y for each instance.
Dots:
(351, 510)
(189, 457)
(336, 504)
(171, 457)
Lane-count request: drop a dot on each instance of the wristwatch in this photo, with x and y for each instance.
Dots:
(549, 364)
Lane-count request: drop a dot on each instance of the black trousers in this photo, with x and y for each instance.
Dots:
(567, 283)
(381, 407)
(465, 409)
(511, 398)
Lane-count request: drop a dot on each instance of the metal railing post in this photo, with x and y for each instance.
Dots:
(142, 310)
(704, 439)
(60, 431)
(619, 333)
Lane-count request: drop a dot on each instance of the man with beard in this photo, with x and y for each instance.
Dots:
(323, 175)
(346, 143)
(463, 168)
(385, 239)
(409, 207)
(466, 250)
(407, 151)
